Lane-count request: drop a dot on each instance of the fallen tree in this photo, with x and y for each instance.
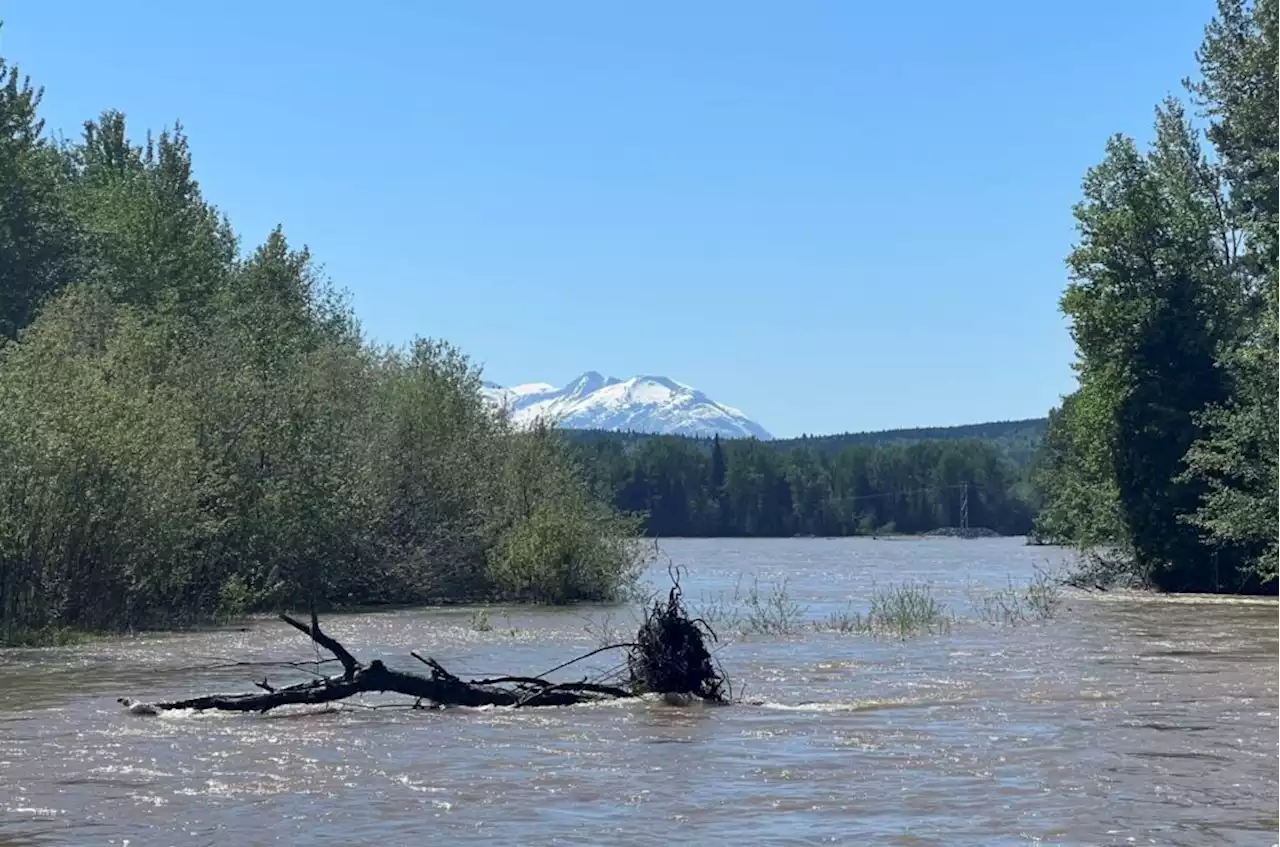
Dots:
(669, 656)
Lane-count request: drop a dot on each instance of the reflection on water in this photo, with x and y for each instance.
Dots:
(1127, 719)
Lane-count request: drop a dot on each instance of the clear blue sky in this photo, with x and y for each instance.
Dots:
(833, 215)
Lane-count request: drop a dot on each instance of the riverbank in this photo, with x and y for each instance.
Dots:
(756, 601)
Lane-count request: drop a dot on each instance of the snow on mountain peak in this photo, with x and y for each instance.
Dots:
(646, 403)
(588, 383)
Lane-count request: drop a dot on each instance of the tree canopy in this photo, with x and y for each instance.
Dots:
(190, 431)
(749, 488)
(1166, 455)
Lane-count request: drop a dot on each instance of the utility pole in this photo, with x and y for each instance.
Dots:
(964, 508)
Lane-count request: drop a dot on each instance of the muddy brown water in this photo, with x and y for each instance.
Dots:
(1124, 720)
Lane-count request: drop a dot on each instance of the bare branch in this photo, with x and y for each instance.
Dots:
(442, 688)
(349, 663)
(619, 645)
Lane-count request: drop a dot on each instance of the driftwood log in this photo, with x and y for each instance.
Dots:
(668, 657)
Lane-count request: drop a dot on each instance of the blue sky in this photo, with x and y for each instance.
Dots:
(833, 215)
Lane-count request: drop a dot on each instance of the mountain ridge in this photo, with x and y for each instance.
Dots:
(647, 403)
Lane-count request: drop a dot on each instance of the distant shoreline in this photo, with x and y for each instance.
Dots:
(880, 536)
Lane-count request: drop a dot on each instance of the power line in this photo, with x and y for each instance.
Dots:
(964, 502)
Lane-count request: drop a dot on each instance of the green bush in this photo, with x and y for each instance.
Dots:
(560, 546)
(187, 435)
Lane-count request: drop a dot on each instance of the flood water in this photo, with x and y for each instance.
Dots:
(1122, 720)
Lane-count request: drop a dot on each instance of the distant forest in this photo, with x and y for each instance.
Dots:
(899, 481)
(1017, 441)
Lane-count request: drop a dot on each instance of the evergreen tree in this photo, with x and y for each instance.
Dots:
(37, 243)
(769, 492)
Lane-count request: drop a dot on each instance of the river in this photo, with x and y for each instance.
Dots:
(1123, 719)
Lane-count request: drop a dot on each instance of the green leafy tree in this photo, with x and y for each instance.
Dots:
(37, 242)
(1237, 89)
(1145, 302)
(1237, 460)
(1073, 478)
(150, 237)
(189, 435)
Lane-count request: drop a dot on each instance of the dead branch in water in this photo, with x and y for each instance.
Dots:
(441, 687)
(349, 663)
(683, 666)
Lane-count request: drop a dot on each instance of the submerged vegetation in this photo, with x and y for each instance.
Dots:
(1038, 600)
(895, 611)
(1163, 464)
(191, 433)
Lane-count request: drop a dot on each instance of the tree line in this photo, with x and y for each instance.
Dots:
(189, 430)
(1016, 441)
(748, 488)
(1164, 462)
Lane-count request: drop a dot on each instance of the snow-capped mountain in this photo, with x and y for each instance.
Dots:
(640, 404)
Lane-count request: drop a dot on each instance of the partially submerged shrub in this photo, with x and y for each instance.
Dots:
(772, 613)
(846, 622)
(53, 637)
(720, 612)
(556, 543)
(754, 611)
(898, 611)
(161, 471)
(1043, 594)
(1014, 604)
(556, 555)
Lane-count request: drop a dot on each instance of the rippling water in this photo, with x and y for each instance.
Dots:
(1125, 719)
